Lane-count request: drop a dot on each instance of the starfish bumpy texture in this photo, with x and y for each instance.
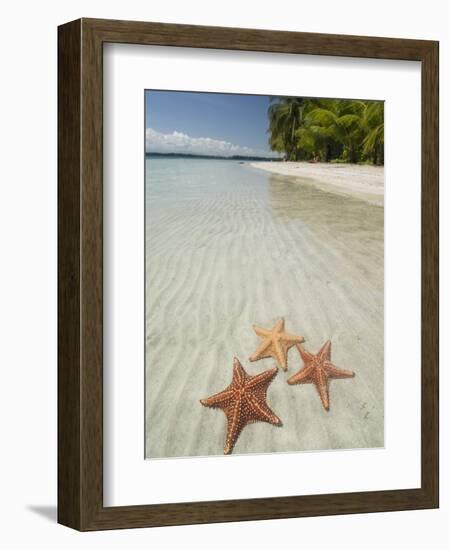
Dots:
(243, 402)
(318, 370)
(276, 343)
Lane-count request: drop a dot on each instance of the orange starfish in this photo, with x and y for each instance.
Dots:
(243, 402)
(318, 370)
(276, 343)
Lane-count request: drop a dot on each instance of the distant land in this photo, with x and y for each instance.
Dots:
(234, 157)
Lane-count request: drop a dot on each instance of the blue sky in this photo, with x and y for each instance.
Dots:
(206, 123)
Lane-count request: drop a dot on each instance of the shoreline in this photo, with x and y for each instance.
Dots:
(229, 247)
(364, 182)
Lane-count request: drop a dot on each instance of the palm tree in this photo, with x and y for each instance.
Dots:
(373, 123)
(316, 142)
(327, 129)
(342, 121)
(286, 116)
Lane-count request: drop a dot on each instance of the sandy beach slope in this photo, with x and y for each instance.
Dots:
(362, 182)
(228, 246)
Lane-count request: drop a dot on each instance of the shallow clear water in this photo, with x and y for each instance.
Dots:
(227, 246)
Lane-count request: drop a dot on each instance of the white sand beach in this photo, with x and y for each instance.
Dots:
(229, 246)
(364, 182)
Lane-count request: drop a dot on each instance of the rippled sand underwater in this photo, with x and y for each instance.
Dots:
(229, 246)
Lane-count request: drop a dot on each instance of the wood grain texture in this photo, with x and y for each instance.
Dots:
(91, 277)
(80, 262)
(69, 176)
(430, 273)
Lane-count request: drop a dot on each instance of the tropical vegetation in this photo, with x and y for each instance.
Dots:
(327, 130)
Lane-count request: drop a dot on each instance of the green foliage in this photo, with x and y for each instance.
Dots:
(329, 130)
(285, 118)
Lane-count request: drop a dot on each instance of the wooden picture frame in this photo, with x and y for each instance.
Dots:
(80, 272)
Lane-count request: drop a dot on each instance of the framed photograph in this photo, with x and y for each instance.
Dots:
(248, 274)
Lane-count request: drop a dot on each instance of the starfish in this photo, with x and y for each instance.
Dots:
(276, 343)
(243, 402)
(318, 370)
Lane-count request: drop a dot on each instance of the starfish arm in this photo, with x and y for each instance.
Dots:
(279, 326)
(334, 372)
(287, 337)
(324, 353)
(239, 374)
(219, 400)
(261, 351)
(280, 354)
(234, 427)
(322, 387)
(261, 380)
(305, 355)
(263, 332)
(303, 376)
(262, 412)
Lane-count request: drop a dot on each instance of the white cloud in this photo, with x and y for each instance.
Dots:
(177, 142)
